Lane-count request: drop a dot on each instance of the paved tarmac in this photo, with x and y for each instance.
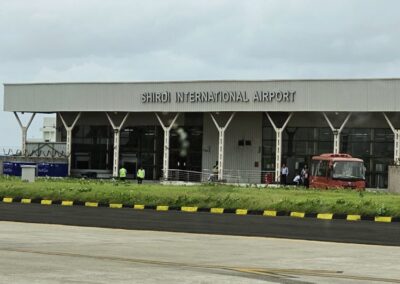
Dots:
(41, 253)
(364, 232)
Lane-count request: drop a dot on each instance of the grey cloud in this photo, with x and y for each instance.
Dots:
(71, 40)
(98, 28)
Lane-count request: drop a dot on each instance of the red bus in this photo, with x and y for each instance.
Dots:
(337, 171)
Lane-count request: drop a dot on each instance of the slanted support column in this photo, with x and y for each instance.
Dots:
(117, 132)
(278, 146)
(336, 132)
(221, 143)
(69, 138)
(396, 133)
(24, 130)
(167, 130)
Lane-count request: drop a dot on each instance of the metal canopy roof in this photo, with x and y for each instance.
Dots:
(356, 95)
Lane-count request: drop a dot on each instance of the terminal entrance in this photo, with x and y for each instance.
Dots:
(141, 146)
(129, 162)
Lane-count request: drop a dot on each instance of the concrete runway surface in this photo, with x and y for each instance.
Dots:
(41, 253)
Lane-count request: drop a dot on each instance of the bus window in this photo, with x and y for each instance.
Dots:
(348, 170)
(322, 168)
(314, 167)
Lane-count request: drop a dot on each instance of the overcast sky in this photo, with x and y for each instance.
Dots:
(63, 41)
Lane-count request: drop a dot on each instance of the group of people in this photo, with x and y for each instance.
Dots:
(301, 178)
(139, 175)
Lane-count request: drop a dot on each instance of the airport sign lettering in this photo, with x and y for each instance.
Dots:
(219, 97)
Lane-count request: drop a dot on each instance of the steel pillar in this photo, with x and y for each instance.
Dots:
(167, 130)
(397, 147)
(117, 131)
(116, 152)
(396, 132)
(166, 153)
(278, 144)
(336, 132)
(69, 149)
(69, 138)
(221, 143)
(24, 132)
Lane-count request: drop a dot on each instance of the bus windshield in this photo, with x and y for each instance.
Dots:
(348, 170)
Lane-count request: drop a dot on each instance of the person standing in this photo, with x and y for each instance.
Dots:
(122, 173)
(140, 175)
(284, 174)
(305, 176)
(214, 176)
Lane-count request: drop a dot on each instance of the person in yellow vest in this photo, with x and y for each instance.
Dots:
(140, 175)
(122, 173)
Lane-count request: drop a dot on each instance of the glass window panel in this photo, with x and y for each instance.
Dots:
(359, 135)
(325, 134)
(78, 131)
(268, 133)
(77, 140)
(304, 134)
(300, 148)
(309, 147)
(322, 169)
(147, 158)
(383, 135)
(325, 147)
(268, 163)
(147, 143)
(383, 149)
(359, 149)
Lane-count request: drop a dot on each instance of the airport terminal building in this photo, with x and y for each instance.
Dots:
(248, 127)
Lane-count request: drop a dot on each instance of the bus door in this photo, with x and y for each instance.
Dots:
(320, 178)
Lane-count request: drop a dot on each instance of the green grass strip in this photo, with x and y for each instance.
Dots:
(206, 196)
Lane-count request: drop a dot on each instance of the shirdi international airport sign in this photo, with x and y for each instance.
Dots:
(219, 97)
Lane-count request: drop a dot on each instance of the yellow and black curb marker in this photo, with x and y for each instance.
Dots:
(216, 210)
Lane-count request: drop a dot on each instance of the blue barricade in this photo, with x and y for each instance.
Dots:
(52, 170)
(14, 168)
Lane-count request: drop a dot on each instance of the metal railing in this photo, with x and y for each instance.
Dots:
(186, 176)
(230, 176)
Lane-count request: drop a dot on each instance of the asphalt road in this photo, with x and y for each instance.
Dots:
(362, 232)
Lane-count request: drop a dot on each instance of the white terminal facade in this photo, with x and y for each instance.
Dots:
(252, 126)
